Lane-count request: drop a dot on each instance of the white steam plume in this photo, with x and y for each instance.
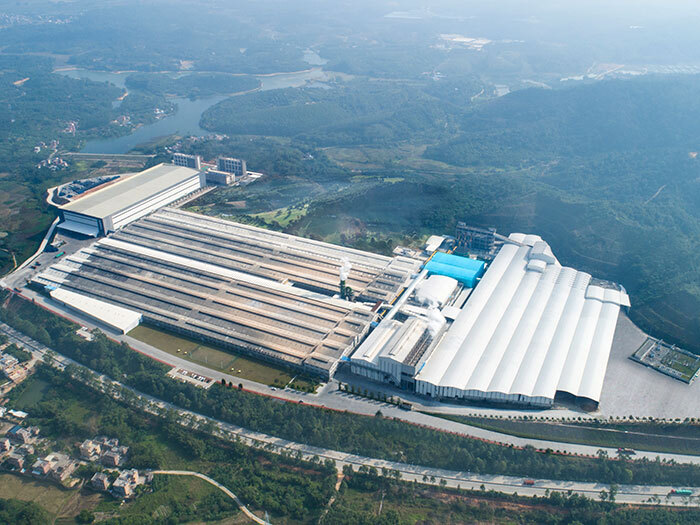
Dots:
(435, 320)
(345, 268)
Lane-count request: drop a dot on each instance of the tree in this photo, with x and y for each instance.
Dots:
(85, 516)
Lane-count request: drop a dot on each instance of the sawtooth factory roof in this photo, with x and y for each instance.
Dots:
(266, 293)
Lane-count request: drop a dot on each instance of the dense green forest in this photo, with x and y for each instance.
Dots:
(14, 512)
(193, 85)
(352, 113)
(372, 436)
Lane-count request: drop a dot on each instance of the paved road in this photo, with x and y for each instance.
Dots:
(217, 485)
(635, 494)
(331, 397)
(43, 244)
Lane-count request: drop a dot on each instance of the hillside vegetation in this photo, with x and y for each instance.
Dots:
(605, 172)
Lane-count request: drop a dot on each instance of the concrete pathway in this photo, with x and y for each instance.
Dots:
(218, 485)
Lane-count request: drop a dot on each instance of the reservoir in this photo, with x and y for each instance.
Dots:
(185, 121)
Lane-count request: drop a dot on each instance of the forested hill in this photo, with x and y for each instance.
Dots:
(604, 171)
(610, 177)
(615, 115)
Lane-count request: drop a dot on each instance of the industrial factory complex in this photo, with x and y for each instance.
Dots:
(269, 294)
(503, 323)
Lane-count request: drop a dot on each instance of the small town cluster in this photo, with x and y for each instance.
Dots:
(23, 451)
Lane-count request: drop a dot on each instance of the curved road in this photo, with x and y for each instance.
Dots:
(634, 494)
(218, 485)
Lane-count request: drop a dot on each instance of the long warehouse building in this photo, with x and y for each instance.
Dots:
(531, 331)
(133, 196)
(264, 293)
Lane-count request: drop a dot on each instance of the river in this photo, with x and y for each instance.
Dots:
(185, 121)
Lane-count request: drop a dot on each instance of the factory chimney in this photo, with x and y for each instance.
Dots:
(345, 291)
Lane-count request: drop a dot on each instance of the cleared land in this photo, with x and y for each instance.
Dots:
(48, 495)
(217, 359)
(633, 389)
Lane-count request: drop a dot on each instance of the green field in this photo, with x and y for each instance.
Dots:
(284, 216)
(51, 497)
(215, 358)
(641, 436)
(31, 395)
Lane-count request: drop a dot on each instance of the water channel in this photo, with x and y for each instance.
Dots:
(185, 121)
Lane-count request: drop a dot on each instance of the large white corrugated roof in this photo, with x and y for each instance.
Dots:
(117, 317)
(530, 328)
(436, 289)
(129, 190)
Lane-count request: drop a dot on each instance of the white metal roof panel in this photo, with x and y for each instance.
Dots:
(535, 355)
(130, 190)
(515, 353)
(79, 227)
(485, 369)
(572, 373)
(474, 345)
(592, 381)
(548, 379)
(114, 316)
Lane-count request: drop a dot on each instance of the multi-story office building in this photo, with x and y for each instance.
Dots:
(187, 161)
(230, 165)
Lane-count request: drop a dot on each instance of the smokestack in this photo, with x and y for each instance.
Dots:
(345, 268)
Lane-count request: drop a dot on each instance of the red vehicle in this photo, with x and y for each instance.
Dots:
(528, 482)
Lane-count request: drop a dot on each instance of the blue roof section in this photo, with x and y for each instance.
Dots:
(463, 269)
(456, 260)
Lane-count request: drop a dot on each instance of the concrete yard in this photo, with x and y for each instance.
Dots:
(634, 389)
